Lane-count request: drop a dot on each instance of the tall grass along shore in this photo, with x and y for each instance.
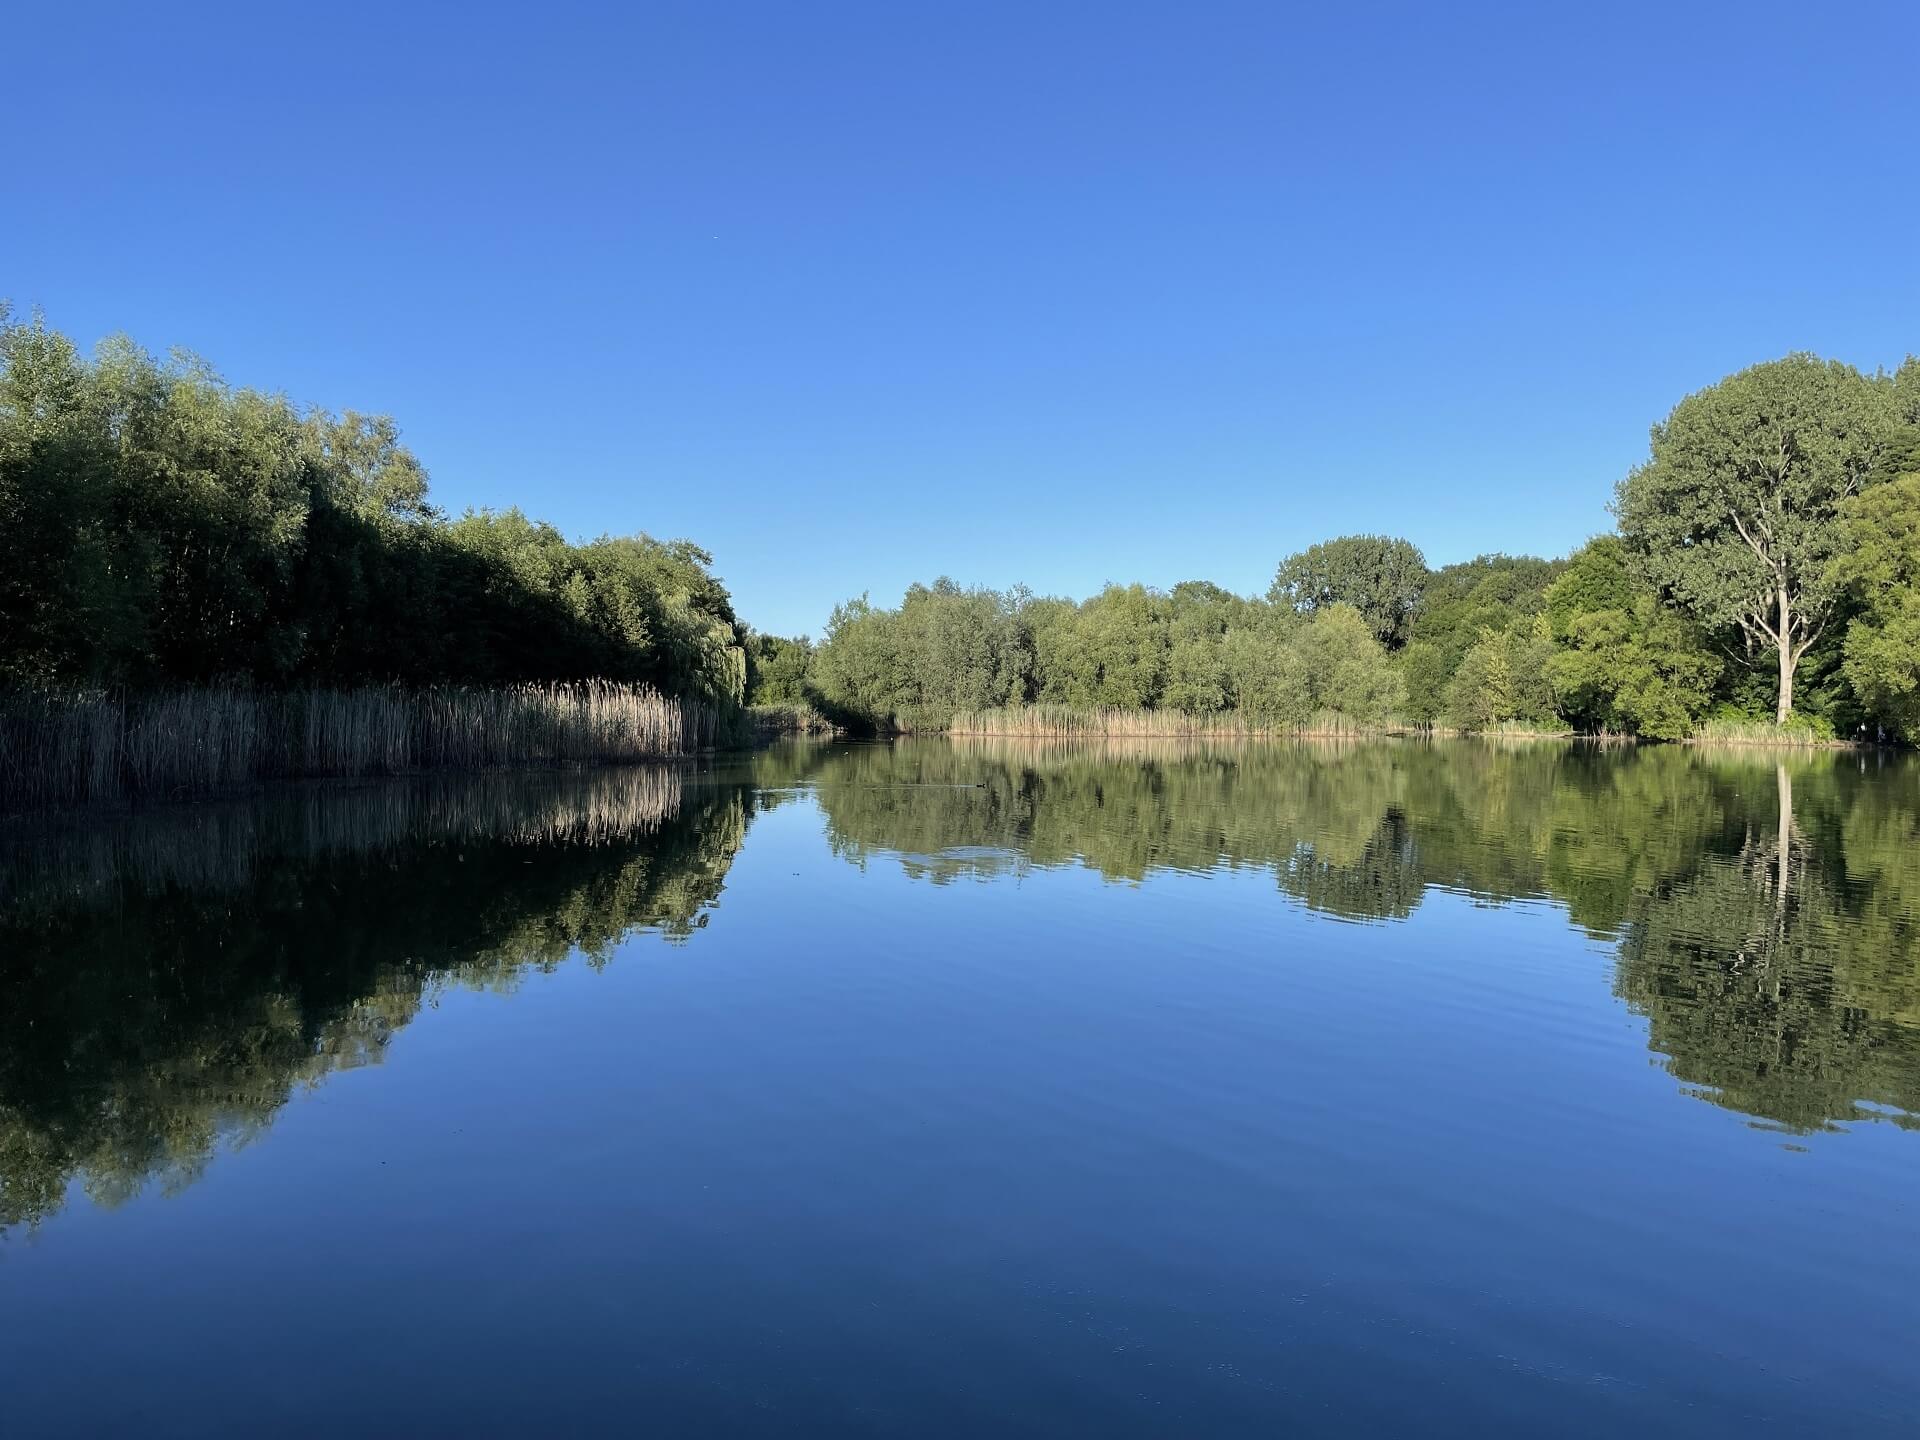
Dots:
(1055, 722)
(77, 747)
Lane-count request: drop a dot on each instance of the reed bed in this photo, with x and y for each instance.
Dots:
(1799, 733)
(1025, 750)
(61, 748)
(1065, 722)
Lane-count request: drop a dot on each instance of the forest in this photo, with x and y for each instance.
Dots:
(164, 533)
(1763, 583)
(202, 586)
(162, 527)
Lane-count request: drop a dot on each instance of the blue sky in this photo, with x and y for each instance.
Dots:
(858, 294)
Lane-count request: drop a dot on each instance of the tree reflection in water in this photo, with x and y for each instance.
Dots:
(168, 981)
(1765, 909)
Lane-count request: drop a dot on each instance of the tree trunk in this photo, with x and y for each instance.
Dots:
(1786, 661)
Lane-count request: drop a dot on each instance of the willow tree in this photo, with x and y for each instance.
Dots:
(1735, 516)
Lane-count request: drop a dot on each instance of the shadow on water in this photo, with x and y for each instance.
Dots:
(170, 980)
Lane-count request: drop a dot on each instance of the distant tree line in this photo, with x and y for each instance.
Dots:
(1766, 570)
(159, 527)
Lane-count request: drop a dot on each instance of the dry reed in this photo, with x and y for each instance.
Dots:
(81, 747)
(1064, 722)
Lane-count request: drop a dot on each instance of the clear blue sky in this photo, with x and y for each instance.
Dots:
(857, 294)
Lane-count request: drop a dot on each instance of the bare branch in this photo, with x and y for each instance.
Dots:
(1752, 544)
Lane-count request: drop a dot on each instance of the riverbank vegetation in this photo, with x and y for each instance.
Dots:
(88, 747)
(1764, 584)
(167, 534)
(164, 531)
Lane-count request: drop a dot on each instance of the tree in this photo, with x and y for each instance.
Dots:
(779, 670)
(1265, 680)
(1735, 516)
(1347, 670)
(1121, 636)
(1621, 660)
(160, 527)
(1881, 565)
(1503, 677)
(1378, 575)
(1461, 602)
(1425, 669)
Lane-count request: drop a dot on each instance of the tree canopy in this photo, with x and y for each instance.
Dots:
(1735, 516)
(1881, 565)
(158, 526)
(1378, 575)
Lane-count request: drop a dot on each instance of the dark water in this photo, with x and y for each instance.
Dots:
(948, 1090)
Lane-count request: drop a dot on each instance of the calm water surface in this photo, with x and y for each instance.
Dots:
(950, 1089)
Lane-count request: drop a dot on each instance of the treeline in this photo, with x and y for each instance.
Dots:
(1765, 577)
(1197, 650)
(161, 528)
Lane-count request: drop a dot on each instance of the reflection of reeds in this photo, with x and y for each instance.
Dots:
(215, 848)
(1065, 722)
(77, 747)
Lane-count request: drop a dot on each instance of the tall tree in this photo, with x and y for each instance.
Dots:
(1735, 516)
(1378, 575)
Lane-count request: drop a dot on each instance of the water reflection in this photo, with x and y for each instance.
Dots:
(167, 982)
(1766, 911)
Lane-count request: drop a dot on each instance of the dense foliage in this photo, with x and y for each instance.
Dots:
(158, 526)
(1736, 515)
(1380, 576)
(1769, 552)
(1198, 650)
(1880, 563)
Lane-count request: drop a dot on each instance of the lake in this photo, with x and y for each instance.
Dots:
(956, 1088)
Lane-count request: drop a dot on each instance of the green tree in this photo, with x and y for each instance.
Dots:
(1265, 679)
(779, 670)
(160, 527)
(1621, 660)
(1881, 565)
(1462, 601)
(1347, 670)
(1378, 575)
(1735, 516)
(1121, 639)
(1504, 678)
